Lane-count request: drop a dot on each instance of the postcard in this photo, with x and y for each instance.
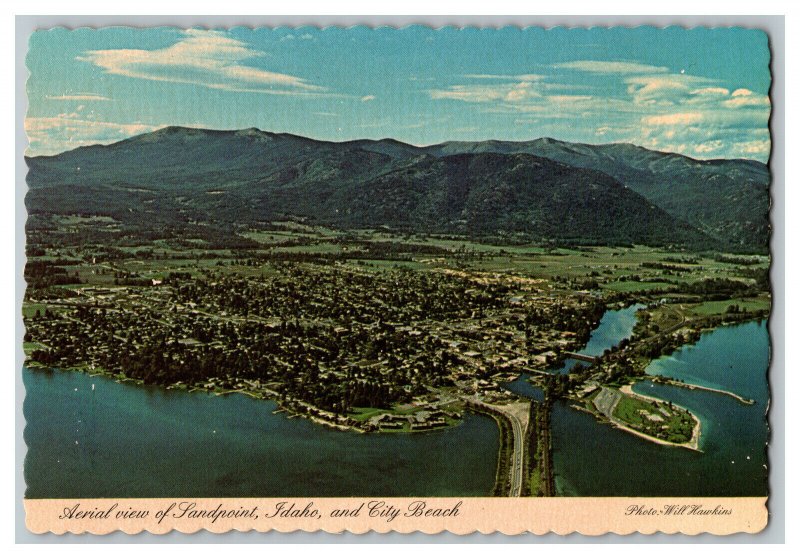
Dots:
(397, 279)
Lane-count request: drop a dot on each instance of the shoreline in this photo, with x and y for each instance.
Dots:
(503, 422)
(264, 394)
(692, 444)
(691, 386)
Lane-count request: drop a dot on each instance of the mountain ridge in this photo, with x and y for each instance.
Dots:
(543, 139)
(266, 174)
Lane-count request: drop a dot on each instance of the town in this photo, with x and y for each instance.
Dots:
(375, 333)
(327, 341)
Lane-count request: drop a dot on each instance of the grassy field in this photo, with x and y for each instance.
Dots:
(536, 481)
(666, 316)
(315, 247)
(363, 414)
(29, 309)
(277, 236)
(391, 264)
(659, 420)
(28, 347)
(614, 269)
(719, 307)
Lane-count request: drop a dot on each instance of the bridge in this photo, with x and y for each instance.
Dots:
(532, 371)
(580, 356)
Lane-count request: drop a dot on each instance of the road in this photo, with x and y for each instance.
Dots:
(517, 415)
(517, 463)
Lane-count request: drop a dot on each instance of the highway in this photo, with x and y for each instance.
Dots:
(517, 462)
(518, 430)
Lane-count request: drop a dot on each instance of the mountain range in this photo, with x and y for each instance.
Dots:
(180, 179)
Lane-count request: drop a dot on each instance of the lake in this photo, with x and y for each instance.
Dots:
(615, 326)
(595, 459)
(123, 440)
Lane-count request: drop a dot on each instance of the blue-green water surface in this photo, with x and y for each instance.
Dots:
(131, 441)
(615, 326)
(122, 440)
(591, 458)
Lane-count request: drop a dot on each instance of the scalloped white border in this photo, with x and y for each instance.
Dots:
(507, 515)
(492, 21)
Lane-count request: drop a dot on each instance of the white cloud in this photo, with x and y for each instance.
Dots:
(205, 58)
(747, 101)
(292, 37)
(752, 148)
(709, 147)
(672, 119)
(662, 90)
(710, 91)
(75, 114)
(665, 111)
(78, 97)
(509, 92)
(611, 67)
(50, 135)
(563, 99)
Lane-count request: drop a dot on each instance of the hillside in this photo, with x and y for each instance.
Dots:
(183, 181)
(726, 199)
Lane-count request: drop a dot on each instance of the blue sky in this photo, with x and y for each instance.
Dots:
(700, 92)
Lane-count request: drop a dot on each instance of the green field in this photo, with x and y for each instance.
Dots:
(362, 414)
(720, 307)
(28, 347)
(29, 309)
(535, 481)
(614, 269)
(658, 420)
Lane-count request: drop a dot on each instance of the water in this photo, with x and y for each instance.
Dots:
(122, 440)
(615, 326)
(148, 442)
(595, 459)
(724, 359)
(523, 387)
